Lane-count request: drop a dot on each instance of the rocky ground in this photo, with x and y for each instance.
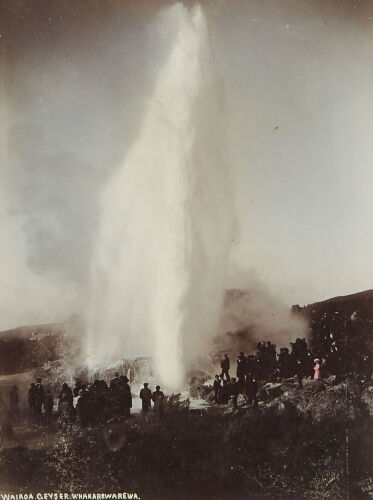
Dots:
(320, 399)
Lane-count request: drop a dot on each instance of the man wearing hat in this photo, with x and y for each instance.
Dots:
(217, 387)
(241, 370)
(115, 381)
(126, 396)
(146, 397)
(225, 366)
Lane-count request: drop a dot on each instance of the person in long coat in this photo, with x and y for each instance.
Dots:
(225, 366)
(126, 396)
(146, 397)
(158, 398)
(217, 388)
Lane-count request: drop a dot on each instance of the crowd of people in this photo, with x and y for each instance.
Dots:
(98, 401)
(329, 357)
(265, 365)
(89, 403)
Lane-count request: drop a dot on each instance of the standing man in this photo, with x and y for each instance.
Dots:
(158, 399)
(126, 396)
(146, 398)
(115, 381)
(251, 390)
(234, 389)
(284, 363)
(241, 370)
(224, 393)
(225, 366)
(217, 387)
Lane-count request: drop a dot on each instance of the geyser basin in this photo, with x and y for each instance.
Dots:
(166, 218)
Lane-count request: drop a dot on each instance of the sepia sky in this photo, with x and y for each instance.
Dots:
(75, 78)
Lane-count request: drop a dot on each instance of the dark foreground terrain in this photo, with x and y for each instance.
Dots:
(309, 442)
(314, 442)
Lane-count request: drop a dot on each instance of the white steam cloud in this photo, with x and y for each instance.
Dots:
(253, 313)
(161, 253)
(26, 297)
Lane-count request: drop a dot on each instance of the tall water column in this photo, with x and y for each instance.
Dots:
(166, 221)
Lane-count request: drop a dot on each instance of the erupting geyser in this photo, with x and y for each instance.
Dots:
(166, 219)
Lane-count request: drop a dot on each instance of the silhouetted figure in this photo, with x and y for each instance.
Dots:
(158, 399)
(32, 403)
(146, 398)
(65, 394)
(14, 403)
(263, 361)
(100, 400)
(271, 349)
(104, 401)
(252, 366)
(225, 366)
(284, 363)
(48, 406)
(115, 381)
(115, 397)
(241, 370)
(251, 390)
(39, 397)
(300, 359)
(217, 387)
(224, 393)
(299, 372)
(233, 391)
(299, 348)
(126, 396)
(271, 361)
(65, 406)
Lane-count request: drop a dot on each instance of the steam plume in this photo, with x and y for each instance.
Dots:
(159, 265)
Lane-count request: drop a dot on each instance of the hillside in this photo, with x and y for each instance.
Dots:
(29, 347)
(360, 303)
(37, 332)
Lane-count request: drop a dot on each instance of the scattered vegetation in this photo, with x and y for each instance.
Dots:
(187, 454)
